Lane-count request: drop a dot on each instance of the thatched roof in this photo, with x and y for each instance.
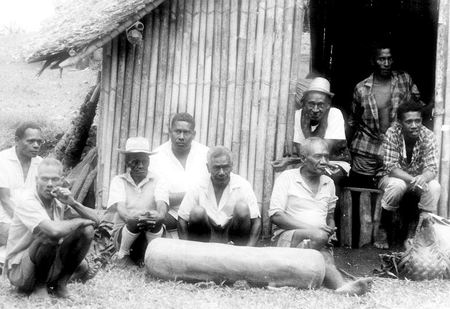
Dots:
(79, 27)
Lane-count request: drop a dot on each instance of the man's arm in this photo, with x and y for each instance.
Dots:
(287, 222)
(6, 202)
(182, 229)
(59, 229)
(254, 232)
(66, 197)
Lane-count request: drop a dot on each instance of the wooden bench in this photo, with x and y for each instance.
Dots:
(359, 230)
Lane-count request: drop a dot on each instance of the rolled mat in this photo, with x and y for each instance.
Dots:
(174, 259)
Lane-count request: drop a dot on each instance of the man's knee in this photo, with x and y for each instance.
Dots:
(132, 225)
(241, 211)
(435, 188)
(397, 184)
(317, 237)
(87, 232)
(197, 214)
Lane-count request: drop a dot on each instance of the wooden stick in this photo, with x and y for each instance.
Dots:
(248, 92)
(230, 102)
(240, 83)
(215, 79)
(172, 12)
(194, 61)
(102, 127)
(264, 132)
(225, 36)
(185, 56)
(198, 102)
(207, 78)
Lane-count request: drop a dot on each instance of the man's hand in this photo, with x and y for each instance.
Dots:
(149, 219)
(328, 229)
(63, 195)
(419, 183)
(280, 165)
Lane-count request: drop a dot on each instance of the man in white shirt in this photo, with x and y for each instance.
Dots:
(222, 208)
(18, 170)
(302, 209)
(181, 161)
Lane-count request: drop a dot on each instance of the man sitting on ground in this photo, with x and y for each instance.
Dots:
(222, 208)
(182, 163)
(318, 118)
(140, 200)
(302, 209)
(18, 170)
(50, 234)
(410, 164)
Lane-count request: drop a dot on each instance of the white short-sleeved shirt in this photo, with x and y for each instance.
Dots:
(28, 214)
(124, 189)
(335, 126)
(179, 179)
(238, 190)
(12, 178)
(293, 196)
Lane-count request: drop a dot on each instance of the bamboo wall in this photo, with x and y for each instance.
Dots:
(232, 64)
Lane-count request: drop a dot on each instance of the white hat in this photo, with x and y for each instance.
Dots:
(137, 145)
(319, 84)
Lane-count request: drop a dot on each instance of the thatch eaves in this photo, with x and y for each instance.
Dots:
(79, 27)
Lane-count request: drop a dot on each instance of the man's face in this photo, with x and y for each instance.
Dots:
(49, 177)
(317, 159)
(411, 122)
(316, 104)
(220, 169)
(181, 135)
(383, 62)
(138, 164)
(29, 145)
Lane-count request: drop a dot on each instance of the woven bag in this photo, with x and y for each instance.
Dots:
(428, 253)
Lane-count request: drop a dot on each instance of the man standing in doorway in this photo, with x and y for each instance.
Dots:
(18, 170)
(181, 162)
(374, 109)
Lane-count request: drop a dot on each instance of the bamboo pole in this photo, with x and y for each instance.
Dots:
(264, 125)
(207, 77)
(135, 115)
(162, 75)
(102, 127)
(126, 104)
(147, 40)
(185, 56)
(203, 13)
(225, 36)
(194, 61)
(172, 12)
(215, 79)
(178, 54)
(294, 71)
(240, 83)
(152, 105)
(248, 92)
(231, 104)
(445, 131)
(284, 87)
(256, 93)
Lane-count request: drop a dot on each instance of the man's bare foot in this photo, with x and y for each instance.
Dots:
(358, 287)
(39, 293)
(381, 240)
(60, 290)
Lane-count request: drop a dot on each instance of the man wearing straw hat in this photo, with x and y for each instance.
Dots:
(318, 119)
(181, 161)
(222, 207)
(141, 200)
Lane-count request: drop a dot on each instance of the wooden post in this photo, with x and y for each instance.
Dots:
(185, 56)
(143, 98)
(154, 108)
(194, 61)
(346, 219)
(198, 102)
(365, 218)
(135, 115)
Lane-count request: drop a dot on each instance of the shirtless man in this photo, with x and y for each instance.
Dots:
(374, 108)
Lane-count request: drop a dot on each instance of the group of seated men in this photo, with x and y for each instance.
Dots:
(190, 188)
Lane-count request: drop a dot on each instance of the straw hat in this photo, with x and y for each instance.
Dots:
(137, 145)
(319, 84)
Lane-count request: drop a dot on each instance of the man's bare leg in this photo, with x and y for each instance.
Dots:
(240, 227)
(318, 238)
(199, 228)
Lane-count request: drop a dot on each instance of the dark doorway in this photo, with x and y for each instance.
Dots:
(342, 33)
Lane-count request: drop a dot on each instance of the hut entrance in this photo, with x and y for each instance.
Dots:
(343, 31)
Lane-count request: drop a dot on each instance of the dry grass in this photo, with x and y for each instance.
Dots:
(115, 288)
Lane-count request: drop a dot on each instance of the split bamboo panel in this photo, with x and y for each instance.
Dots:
(232, 64)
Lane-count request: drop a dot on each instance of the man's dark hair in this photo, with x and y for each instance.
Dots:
(409, 106)
(20, 131)
(379, 45)
(183, 117)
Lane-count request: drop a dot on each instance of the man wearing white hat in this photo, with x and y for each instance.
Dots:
(318, 119)
(141, 200)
